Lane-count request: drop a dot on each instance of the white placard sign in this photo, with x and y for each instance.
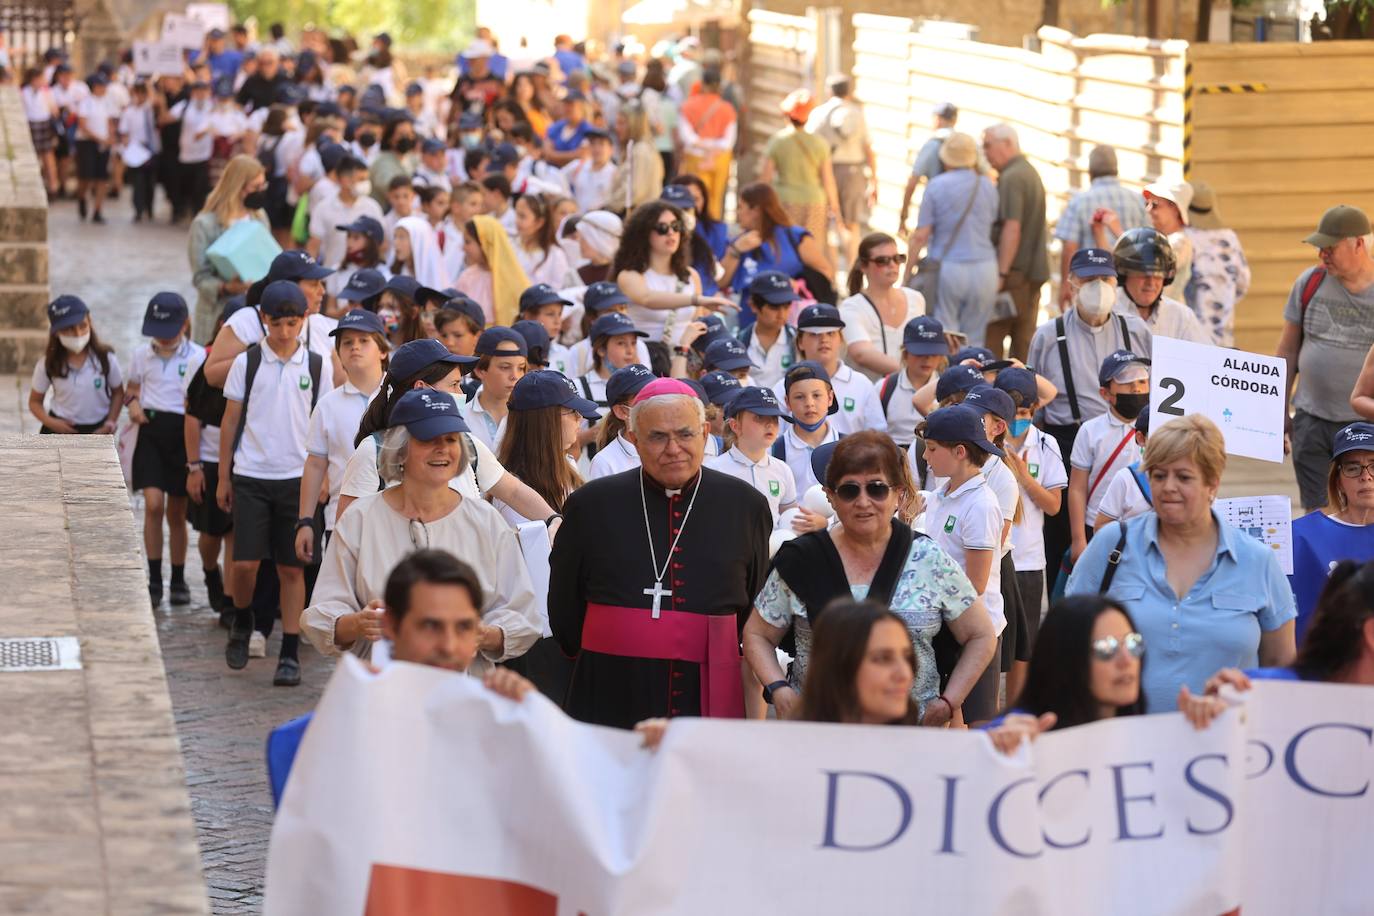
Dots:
(182, 31)
(1242, 393)
(1267, 519)
(210, 15)
(158, 58)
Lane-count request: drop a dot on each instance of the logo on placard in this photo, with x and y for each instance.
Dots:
(949, 524)
(774, 488)
(1227, 415)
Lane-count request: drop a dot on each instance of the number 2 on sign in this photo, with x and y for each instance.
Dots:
(1168, 405)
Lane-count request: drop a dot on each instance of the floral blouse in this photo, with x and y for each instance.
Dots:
(1220, 279)
(932, 589)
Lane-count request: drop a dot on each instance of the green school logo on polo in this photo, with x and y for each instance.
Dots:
(774, 488)
(305, 382)
(99, 383)
(786, 361)
(849, 404)
(181, 370)
(949, 524)
(1034, 470)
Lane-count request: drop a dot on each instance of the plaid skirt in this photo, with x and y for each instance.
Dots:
(44, 137)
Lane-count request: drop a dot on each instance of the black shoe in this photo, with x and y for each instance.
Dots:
(155, 593)
(81, 206)
(180, 593)
(97, 218)
(226, 618)
(236, 652)
(288, 673)
(214, 588)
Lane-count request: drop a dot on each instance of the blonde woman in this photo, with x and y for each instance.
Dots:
(240, 194)
(639, 178)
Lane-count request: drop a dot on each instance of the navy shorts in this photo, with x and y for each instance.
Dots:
(265, 519)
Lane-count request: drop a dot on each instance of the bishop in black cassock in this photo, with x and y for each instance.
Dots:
(630, 663)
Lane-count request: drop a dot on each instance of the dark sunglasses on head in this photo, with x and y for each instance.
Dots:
(1105, 649)
(666, 228)
(877, 491)
(887, 260)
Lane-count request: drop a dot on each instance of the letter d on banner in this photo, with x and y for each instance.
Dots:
(866, 806)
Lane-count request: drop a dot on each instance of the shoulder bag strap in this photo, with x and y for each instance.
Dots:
(1130, 434)
(316, 370)
(1309, 289)
(1113, 561)
(377, 441)
(1061, 336)
(882, 327)
(963, 216)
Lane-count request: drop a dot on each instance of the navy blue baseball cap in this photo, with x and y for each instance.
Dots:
(431, 145)
(603, 294)
(958, 423)
(547, 388)
(1016, 379)
(359, 320)
(925, 336)
(410, 359)
(536, 337)
(626, 382)
(411, 288)
(805, 371)
(986, 398)
(982, 354)
(820, 459)
(414, 88)
(66, 312)
(773, 287)
(297, 265)
(469, 121)
(232, 305)
(1092, 262)
(697, 388)
(501, 341)
(726, 353)
(756, 400)
(721, 387)
(468, 307)
(331, 154)
(819, 317)
(956, 379)
(540, 295)
(427, 414)
(365, 225)
(283, 299)
(503, 155)
(165, 316)
(715, 330)
(613, 324)
(1115, 362)
(363, 284)
(1357, 437)
(678, 196)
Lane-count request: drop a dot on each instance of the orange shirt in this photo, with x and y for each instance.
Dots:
(708, 114)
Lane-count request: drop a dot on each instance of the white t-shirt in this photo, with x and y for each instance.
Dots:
(38, 103)
(83, 395)
(278, 418)
(1001, 482)
(328, 215)
(97, 111)
(197, 131)
(662, 324)
(618, 455)
(771, 477)
(591, 187)
(1043, 461)
(1123, 499)
(1097, 439)
(228, 121)
(332, 428)
(360, 476)
(970, 519)
(797, 454)
(162, 380)
(863, 324)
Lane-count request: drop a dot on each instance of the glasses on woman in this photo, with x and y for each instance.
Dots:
(1105, 649)
(1354, 470)
(888, 260)
(877, 490)
(669, 228)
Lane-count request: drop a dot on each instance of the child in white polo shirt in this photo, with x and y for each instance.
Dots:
(615, 453)
(1128, 494)
(83, 374)
(754, 416)
(501, 361)
(157, 405)
(819, 340)
(924, 351)
(965, 519)
(262, 457)
(812, 402)
(1106, 443)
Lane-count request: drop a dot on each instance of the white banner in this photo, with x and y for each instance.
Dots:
(418, 792)
(210, 15)
(158, 58)
(182, 31)
(1242, 393)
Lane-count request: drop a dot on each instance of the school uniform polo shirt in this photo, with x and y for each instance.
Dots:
(483, 425)
(618, 455)
(333, 426)
(902, 415)
(1097, 440)
(860, 408)
(580, 357)
(560, 358)
(1043, 461)
(248, 326)
(83, 395)
(593, 387)
(769, 366)
(161, 379)
(798, 454)
(1001, 481)
(209, 435)
(771, 476)
(970, 519)
(278, 418)
(1123, 499)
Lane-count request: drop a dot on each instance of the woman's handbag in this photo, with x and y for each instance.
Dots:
(926, 280)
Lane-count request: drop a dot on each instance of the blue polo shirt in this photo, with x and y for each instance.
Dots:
(1216, 625)
(1319, 543)
(566, 140)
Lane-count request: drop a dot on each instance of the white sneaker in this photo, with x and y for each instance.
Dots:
(257, 645)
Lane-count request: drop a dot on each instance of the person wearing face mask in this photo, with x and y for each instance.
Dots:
(1145, 265)
(364, 143)
(331, 219)
(241, 194)
(397, 142)
(1107, 442)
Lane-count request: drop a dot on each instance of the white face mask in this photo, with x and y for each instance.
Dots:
(362, 188)
(75, 343)
(1095, 298)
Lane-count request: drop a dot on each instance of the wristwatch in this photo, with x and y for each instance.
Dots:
(768, 691)
(194, 466)
(305, 522)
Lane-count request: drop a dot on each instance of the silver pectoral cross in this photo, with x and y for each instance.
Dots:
(659, 593)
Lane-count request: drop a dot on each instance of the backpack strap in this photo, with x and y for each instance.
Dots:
(1309, 289)
(254, 357)
(316, 362)
(779, 449)
(889, 385)
(1113, 561)
(1142, 482)
(1062, 338)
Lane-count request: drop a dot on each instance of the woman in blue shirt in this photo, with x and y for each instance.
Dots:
(771, 242)
(1347, 532)
(710, 230)
(1204, 595)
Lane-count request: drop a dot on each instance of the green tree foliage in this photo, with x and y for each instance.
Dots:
(423, 25)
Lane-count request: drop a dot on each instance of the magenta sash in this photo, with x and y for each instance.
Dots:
(709, 641)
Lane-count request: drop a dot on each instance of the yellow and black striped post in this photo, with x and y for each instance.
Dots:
(1232, 88)
(1188, 120)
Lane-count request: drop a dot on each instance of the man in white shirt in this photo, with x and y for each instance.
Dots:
(95, 132)
(1145, 265)
(590, 177)
(331, 219)
(197, 143)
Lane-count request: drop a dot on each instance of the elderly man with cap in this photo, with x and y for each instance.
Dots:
(658, 574)
(1145, 268)
(1104, 202)
(819, 340)
(1328, 329)
(927, 164)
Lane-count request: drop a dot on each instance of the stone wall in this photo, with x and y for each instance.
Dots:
(24, 290)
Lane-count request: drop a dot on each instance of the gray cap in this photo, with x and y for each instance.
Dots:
(1340, 222)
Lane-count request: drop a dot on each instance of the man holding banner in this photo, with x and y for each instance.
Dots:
(654, 571)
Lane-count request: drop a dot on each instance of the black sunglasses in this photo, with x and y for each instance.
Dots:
(886, 260)
(666, 228)
(877, 491)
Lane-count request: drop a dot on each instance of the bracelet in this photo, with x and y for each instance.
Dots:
(944, 699)
(193, 466)
(305, 523)
(548, 522)
(681, 351)
(734, 251)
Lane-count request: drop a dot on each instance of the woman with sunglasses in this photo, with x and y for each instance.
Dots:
(878, 308)
(1344, 530)
(652, 267)
(872, 555)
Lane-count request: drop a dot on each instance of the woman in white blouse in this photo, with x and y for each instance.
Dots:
(877, 310)
(423, 448)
